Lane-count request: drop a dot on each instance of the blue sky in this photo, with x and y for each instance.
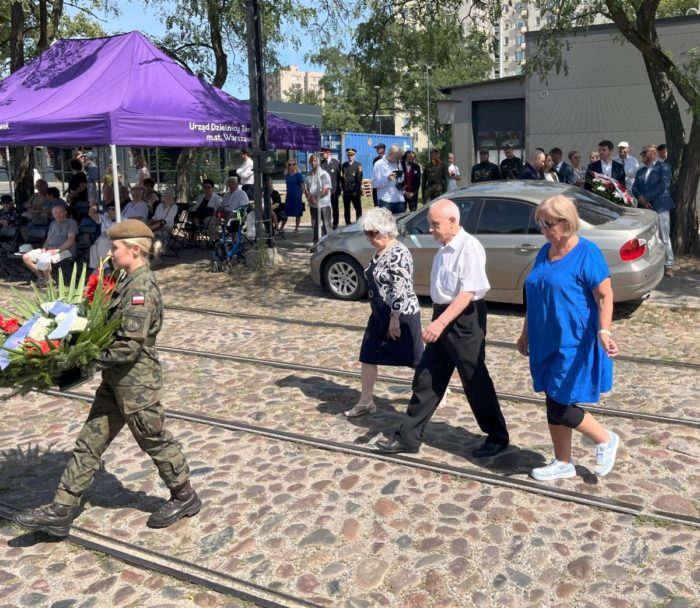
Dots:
(135, 16)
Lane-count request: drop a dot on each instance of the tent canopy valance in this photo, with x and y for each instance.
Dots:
(122, 90)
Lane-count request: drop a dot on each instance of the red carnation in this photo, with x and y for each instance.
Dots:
(108, 284)
(9, 326)
(31, 345)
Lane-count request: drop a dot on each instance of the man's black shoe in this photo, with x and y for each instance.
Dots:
(394, 446)
(183, 502)
(489, 448)
(53, 519)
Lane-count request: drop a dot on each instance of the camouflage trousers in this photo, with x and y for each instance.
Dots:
(103, 424)
(431, 192)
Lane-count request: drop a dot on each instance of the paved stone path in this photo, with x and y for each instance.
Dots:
(351, 531)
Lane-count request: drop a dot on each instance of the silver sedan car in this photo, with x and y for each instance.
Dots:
(502, 216)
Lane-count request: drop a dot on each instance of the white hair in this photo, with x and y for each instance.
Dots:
(393, 148)
(381, 220)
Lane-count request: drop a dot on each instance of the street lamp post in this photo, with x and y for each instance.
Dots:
(427, 95)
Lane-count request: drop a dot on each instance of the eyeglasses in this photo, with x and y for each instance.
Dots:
(371, 234)
(549, 224)
(291, 164)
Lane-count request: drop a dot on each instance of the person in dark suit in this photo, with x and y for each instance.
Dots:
(381, 150)
(606, 165)
(484, 170)
(412, 177)
(454, 339)
(564, 171)
(652, 186)
(533, 169)
(332, 166)
(351, 183)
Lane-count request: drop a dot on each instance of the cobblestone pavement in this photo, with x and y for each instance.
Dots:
(344, 530)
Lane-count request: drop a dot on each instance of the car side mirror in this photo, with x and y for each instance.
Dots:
(402, 230)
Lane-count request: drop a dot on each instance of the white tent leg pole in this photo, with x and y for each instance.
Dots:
(9, 172)
(115, 181)
(157, 179)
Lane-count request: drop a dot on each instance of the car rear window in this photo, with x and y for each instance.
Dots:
(418, 224)
(594, 209)
(499, 216)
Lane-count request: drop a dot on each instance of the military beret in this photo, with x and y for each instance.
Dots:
(129, 229)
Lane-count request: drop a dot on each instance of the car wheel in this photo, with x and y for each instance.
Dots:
(344, 278)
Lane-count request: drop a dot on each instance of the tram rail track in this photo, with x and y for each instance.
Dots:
(693, 365)
(384, 378)
(352, 327)
(186, 571)
(467, 473)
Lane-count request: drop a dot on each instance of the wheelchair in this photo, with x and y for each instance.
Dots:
(229, 248)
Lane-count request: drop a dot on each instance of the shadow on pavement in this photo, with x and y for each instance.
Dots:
(29, 476)
(334, 399)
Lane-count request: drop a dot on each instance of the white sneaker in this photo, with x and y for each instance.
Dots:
(605, 454)
(554, 470)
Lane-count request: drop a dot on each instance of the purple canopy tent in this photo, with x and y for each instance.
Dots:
(123, 91)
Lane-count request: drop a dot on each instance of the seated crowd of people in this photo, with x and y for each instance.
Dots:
(54, 226)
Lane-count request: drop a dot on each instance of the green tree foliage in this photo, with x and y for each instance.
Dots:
(83, 20)
(296, 94)
(190, 24)
(394, 55)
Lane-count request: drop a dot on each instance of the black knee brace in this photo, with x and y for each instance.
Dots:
(564, 415)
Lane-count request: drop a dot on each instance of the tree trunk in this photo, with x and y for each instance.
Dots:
(23, 158)
(186, 159)
(43, 26)
(182, 169)
(682, 156)
(685, 237)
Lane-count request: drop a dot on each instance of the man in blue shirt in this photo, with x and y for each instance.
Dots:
(651, 187)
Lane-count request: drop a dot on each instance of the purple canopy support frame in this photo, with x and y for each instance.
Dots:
(123, 91)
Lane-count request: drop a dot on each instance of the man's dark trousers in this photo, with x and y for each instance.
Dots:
(335, 210)
(461, 345)
(356, 201)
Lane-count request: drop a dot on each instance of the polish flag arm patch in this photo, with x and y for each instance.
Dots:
(138, 299)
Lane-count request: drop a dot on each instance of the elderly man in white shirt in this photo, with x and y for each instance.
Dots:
(245, 174)
(318, 194)
(454, 338)
(630, 163)
(234, 199)
(388, 179)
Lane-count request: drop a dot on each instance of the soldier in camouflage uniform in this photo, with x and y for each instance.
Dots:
(129, 394)
(434, 177)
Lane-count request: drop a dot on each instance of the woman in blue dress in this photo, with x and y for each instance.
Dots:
(393, 335)
(567, 336)
(293, 204)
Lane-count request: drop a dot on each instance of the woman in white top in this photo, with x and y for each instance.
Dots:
(162, 222)
(137, 208)
(548, 172)
(100, 248)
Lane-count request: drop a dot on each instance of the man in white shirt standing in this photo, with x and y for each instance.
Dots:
(388, 179)
(454, 338)
(629, 162)
(318, 195)
(453, 174)
(245, 174)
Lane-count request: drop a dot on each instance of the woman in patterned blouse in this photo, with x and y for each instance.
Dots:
(393, 333)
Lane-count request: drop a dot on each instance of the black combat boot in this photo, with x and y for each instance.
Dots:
(183, 502)
(53, 519)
